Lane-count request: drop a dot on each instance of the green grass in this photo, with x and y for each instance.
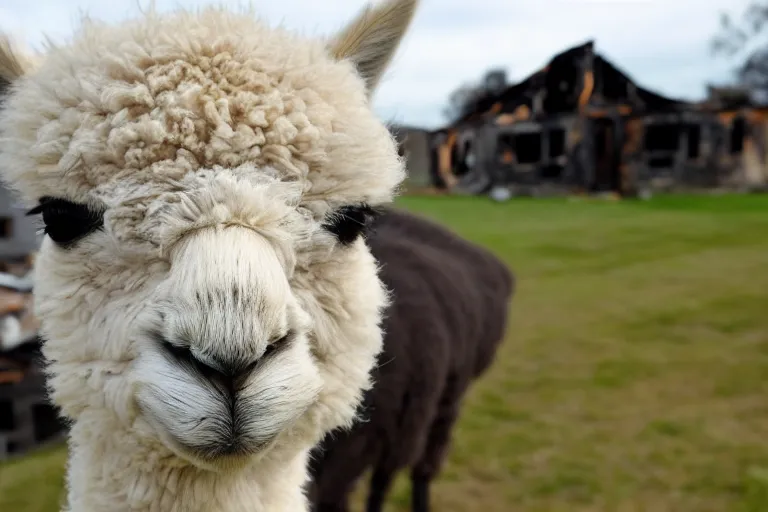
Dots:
(34, 483)
(635, 373)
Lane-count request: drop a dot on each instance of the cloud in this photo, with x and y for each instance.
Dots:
(663, 44)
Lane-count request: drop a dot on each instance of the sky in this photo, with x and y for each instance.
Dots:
(661, 44)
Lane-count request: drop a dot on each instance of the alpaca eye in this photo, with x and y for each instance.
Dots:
(67, 222)
(349, 222)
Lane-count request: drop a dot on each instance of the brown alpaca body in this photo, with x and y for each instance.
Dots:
(448, 316)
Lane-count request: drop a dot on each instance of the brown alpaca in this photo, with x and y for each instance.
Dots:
(449, 313)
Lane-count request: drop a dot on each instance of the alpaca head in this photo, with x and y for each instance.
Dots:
(203, 181)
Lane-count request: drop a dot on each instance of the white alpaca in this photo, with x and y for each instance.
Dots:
(209, 307)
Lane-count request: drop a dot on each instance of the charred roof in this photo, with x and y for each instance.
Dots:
(728, 98)
(558, 86)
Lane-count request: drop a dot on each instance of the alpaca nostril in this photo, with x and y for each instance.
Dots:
(213, 366)
(209, 366)
(184, 355)
(178, 351)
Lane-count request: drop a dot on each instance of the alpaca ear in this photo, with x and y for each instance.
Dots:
(372, 38)
(13, 64)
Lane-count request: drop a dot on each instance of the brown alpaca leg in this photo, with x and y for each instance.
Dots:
(428, 466)
(336, 467)
(336, 501)
(425, 470)
(380, 484)
(420, 493)
(333, 495)
(331, 507)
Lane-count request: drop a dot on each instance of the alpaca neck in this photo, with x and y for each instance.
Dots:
(113, 469)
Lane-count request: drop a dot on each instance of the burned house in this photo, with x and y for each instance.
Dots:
(582, 124)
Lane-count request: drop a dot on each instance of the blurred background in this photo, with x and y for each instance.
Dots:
(615, 154)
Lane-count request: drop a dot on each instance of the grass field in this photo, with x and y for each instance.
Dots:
(634, 377)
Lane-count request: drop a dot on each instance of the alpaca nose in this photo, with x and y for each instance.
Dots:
(210, 366)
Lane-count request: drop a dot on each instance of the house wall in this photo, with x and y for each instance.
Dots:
(761, 141)
(504, 164)
(416, 150)
(755, 154)
(414, 147)
(18, 232)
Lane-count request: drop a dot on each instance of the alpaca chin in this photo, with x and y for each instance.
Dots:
(136, 475)
(202, 423)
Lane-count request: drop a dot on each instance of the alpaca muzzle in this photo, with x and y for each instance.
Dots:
(230, 366)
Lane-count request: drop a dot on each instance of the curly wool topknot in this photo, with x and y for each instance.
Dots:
(146, 100)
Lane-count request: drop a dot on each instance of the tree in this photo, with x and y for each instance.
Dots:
(463, 100)
(746, 42)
